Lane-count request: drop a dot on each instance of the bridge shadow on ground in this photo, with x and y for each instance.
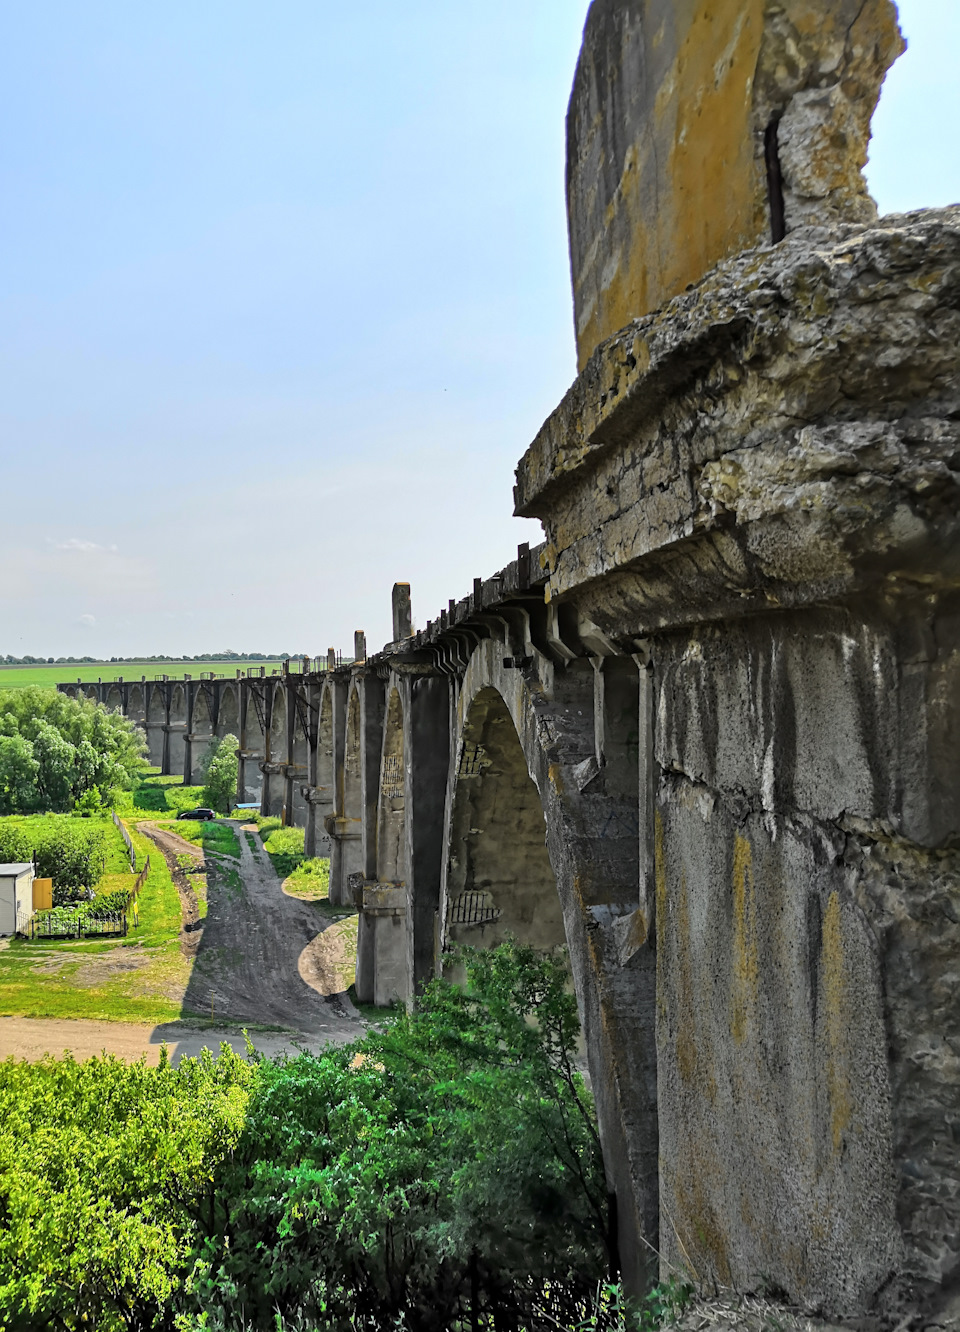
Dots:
(259, 960)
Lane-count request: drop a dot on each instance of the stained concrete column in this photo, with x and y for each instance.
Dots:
(426, 754)
(338, 886)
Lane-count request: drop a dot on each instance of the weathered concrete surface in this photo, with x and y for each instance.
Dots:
(782, 433)
(678, 108)
(709, 733)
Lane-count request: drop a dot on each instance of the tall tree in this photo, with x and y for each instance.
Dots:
(220, 787)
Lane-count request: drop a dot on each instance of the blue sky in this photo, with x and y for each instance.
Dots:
(284, 295)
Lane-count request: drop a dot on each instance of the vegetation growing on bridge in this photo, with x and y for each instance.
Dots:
(54, 750)
(441, 1173)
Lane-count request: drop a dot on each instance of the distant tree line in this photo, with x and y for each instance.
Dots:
(9, 660)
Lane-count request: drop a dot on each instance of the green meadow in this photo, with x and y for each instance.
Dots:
(48, 677)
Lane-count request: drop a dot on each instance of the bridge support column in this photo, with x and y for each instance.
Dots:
(333, 820)
(316, 839)
(426, 753)
(382, 966)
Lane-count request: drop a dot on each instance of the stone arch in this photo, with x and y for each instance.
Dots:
(135, 704)
(350, 803)
(114, 701)
(499, 878)
(299, 756)
(228, 714)
(155, 726)
(176, 743)
(391, 822)
(353, 760)
(277, 735)
(202, 733)
(325, 782)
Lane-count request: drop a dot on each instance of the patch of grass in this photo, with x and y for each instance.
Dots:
(141, 978)
(310, 879)
(284, 846)
(156, 794)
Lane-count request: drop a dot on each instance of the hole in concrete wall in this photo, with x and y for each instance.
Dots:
(391, 829)
(771, 153)
(499, 878)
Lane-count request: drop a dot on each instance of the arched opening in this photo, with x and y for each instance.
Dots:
(278, 727)
(391, 831)
(274, 769)
(228, 716)
(351, 831)
(499, 878)
(156, 721)
(252, 744)
(135, 707)
(298, 755)
(202, 733)
(178, 719)
(114, 700)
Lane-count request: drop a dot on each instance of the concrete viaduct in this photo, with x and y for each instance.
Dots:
(708, 734)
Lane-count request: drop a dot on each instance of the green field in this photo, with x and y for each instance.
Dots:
(48, 677)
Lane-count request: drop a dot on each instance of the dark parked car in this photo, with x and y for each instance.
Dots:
(196, 814)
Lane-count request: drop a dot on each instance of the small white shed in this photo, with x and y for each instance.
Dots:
(16, 896)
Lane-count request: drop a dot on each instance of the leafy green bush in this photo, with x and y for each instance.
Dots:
(221, 770)
(54, 748)
(446, 1165)
(105, 1181)
(70, 852)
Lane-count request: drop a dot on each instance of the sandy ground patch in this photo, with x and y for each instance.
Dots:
(32, 1038)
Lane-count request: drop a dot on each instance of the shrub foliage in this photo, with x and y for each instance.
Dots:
(443, 1172)
(71, 852)
(446, 1170)
(53, 749)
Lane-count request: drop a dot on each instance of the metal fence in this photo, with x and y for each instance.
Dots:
(473, 909)
(51, 927)
(129, 845)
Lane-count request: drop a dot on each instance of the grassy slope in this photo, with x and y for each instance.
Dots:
(48, 677)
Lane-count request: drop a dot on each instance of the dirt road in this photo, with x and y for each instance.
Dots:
(31, 1038)
(248, 959)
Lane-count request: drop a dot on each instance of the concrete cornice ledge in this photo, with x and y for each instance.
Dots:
(814, 385)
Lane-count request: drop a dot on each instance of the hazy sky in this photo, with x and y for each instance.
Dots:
(284, 296)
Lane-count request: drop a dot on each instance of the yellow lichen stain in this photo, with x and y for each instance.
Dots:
(660, 876)
(835, 1009)
(686, 1017)
(556, 777)
(700, 1235)
(690, 192)
(745, 959)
